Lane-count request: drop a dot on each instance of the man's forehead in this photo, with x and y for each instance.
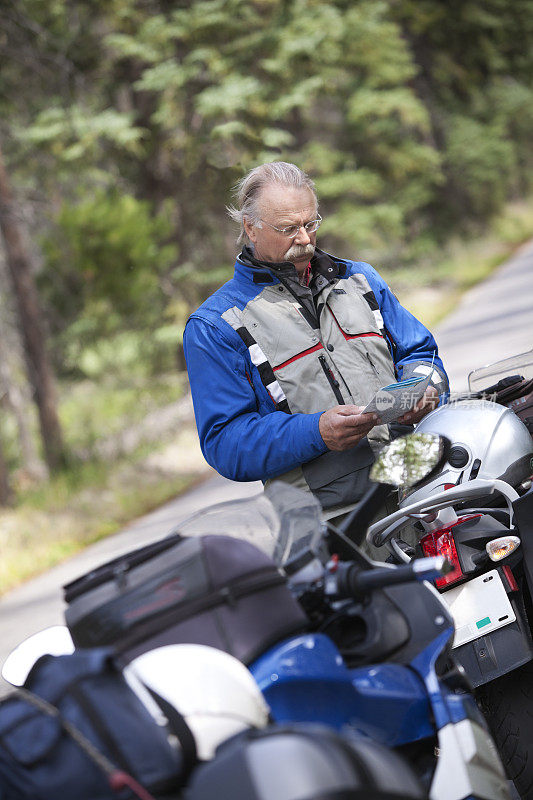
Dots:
(287, 200)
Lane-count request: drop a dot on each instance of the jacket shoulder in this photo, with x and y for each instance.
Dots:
(363, 268)
(215, 311)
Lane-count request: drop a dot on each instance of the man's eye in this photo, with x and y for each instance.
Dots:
(292, 229)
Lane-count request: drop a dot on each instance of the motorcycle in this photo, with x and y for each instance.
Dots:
(187, 690)
(374, 662)
(478, 512)
(371, 661)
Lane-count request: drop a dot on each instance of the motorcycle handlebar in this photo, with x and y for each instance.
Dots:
(350, 580)
(380, 531)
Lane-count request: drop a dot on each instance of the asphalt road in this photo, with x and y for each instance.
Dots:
(494, 320)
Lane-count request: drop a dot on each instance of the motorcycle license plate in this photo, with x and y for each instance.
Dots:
(479, 607)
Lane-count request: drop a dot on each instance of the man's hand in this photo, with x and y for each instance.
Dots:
(342, 427)
(426, 404)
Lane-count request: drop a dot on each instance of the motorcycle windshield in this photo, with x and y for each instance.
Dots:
(282, 521)
(522, 365)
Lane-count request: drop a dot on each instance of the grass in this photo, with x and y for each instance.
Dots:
(89, 501)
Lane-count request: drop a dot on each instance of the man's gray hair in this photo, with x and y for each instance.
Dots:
(249, 188)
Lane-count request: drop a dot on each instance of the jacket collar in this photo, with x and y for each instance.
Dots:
(266, 272)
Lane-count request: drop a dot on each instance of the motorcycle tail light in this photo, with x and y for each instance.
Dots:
(441, 543)
(502, 547)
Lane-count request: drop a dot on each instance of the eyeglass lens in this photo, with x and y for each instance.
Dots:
(310, 227)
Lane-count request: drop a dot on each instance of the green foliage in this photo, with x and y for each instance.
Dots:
(475, 62)
(110, 404)
(399, 106)
(126, 354)
(481, 165)
(138, 118)
(237, 92)
(112, 250)
(107, 262)
(75, 133)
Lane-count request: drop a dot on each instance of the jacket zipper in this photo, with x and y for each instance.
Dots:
(372, 364)
(333, 382)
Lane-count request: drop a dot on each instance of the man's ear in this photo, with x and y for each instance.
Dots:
(250, 230)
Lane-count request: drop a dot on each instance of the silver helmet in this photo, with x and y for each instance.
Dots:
(487, 441)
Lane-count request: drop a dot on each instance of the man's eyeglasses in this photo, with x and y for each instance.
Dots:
(291, 231)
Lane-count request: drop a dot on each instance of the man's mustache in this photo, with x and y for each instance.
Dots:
(298, 250)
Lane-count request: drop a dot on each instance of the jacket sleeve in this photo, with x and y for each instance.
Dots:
(414, 347)
(239, 436)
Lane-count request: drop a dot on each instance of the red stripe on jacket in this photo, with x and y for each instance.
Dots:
(318, 346)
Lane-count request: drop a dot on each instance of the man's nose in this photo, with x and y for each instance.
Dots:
(302, 237)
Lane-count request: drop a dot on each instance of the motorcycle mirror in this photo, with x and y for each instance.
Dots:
(404, 462)
(54, 641)
(410, 459)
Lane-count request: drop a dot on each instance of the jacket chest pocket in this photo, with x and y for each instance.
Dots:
(279, 329)
(351, 313)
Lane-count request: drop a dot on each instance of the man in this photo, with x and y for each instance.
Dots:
(283, 358)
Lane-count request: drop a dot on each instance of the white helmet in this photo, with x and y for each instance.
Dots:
(53, 641)
(213, 691)
(487, 441)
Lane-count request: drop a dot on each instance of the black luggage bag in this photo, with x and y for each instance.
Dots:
(213, 590)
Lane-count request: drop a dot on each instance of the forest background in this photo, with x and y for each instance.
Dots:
(124, 124)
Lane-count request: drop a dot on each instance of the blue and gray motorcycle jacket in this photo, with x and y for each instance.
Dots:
(267, 356)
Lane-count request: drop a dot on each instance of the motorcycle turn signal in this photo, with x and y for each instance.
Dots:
(502, 547)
